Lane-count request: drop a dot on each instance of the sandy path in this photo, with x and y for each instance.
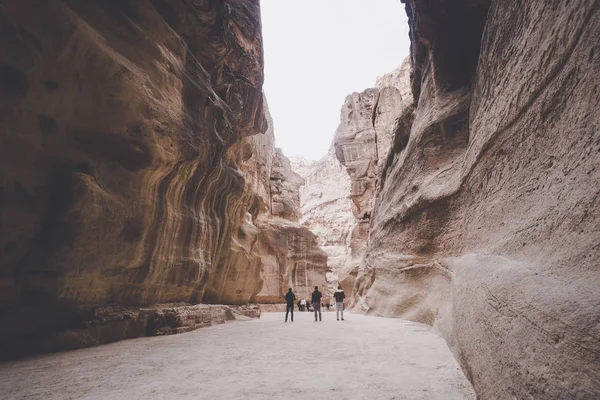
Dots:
(373, 358)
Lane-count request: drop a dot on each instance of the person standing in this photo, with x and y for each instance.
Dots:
(316, 302)
(339, 302)
(290, 297)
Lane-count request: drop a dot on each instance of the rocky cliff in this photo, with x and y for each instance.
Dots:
(486, 224)
(290, 253)
(122, 128)
(327, 211)
(285, 188)
(369, 122)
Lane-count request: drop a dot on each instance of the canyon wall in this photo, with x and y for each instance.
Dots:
(289, 251)
(486, 221)
(339, 191)
(369, 122)
(126, 173)
(326, 210)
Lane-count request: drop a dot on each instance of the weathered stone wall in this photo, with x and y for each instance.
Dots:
(291, 258)
(372, 123)
(285, 185)
(327, 211)
(289, 251)
(113, 323)
(240, 272)
(121, 129)
(486, 225)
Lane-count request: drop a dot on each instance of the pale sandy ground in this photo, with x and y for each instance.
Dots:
(372, 358)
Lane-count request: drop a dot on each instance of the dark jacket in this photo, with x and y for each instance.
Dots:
(339, 296)
(316, 296)
(290, 297)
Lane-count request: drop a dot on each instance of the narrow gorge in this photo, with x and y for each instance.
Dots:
(142, 193)
(125, 203)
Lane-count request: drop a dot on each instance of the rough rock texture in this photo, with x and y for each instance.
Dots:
(356, 148)
(121, 126)
(487, 224)
(238, 279)
(327, 212)
(290, 253)
(291, 258)
(394, 108)
(285, 185)
(110, 324)
(371, 123)
(399, 79)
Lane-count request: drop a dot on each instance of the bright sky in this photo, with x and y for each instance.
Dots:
(319, 51)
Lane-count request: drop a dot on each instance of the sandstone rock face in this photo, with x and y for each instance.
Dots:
(285, 185)
(338, 194)
(289, 251)
(292, 258)
(486, 224)
(394, 109)
(356, 148)
(399, 79)
(110, 324)
(370, 122)
(326, 210)
(122, 126)
(238, 278)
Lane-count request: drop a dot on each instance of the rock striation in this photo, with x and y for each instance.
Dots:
(370, 122)
(339, 191)
(485, 224)
(104, 325)
(290, 253)
(326, 210)
(134, 159)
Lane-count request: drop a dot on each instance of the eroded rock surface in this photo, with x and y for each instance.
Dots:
(285, 185)
(327, 212)
(110, 324)
(372, 123)
(338, 195)
(486, 225)
(122, 126)
(289, 251)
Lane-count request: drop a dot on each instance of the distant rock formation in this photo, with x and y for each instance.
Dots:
(289, 251)
(285, 185)
(327, 212)
(369, 122)
(136, 166)
(485, 223)
(338, 196)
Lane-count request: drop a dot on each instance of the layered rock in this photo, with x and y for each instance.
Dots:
(238, 278)
(292, 258)
(285, 188)
(370, 123)
(337, 198)
(486, 225)
(289, 251)
(327, 211)
(120, 184)
(110, 324)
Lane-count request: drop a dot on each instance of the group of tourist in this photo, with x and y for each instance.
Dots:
(316, 297)
(304, 305)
